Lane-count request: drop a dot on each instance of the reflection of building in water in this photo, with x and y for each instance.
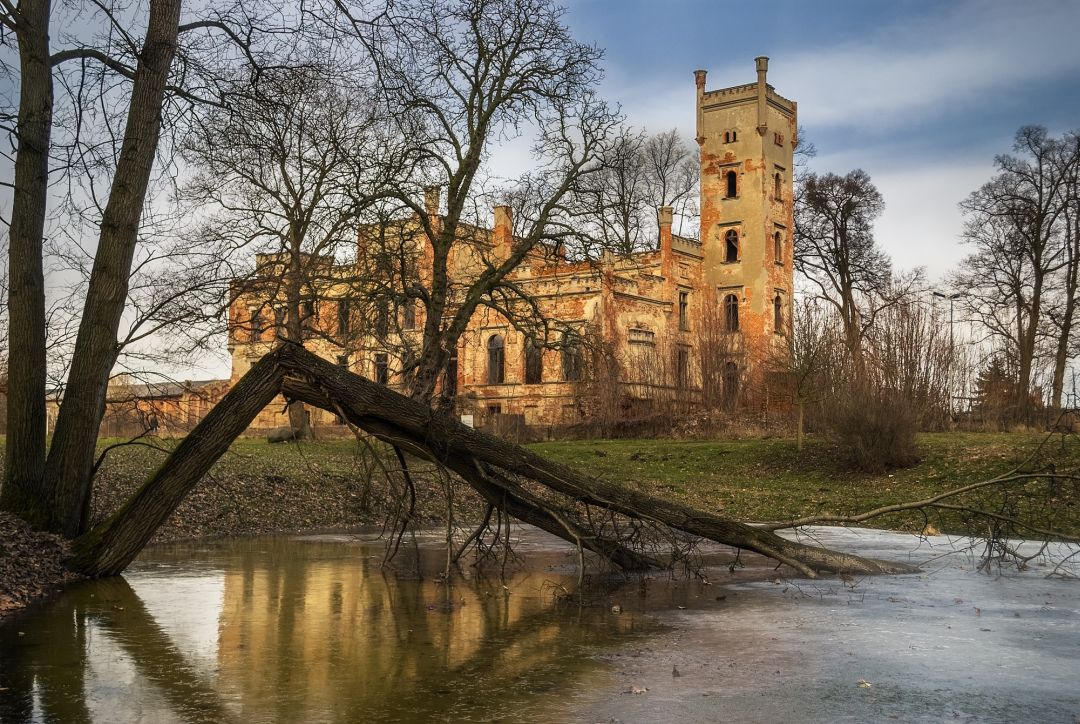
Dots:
(337, 634)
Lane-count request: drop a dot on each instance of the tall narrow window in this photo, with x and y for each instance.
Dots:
(408, 315)
(778, 247)
(382, 317)
(343, 317)
(734, 136)
(450, 376)
(382, 368)
(731, 312)
(496, 360)
(279, 319)
(778, 190)
(571, 358)
(732, 184)
(682, 367)
(731, 385)
(256, 324)
(731, 246)
(778, 314)
(684, 311)
(534, 363)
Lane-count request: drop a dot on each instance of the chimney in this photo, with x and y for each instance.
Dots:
(502, 236)
(664, 214)
(699, 81)
(762, 93)
(431, 201)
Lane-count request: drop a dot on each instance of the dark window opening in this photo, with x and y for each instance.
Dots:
(734, 136)
(778, 314)
(279, 317)
(256, 325)
(343, 317)
(496, 360)
(684, 311)
(778, 187)
(732, 184)
(382, 368)
(409, 314)
(307, 309)
(534, 363)
(382, 318)
(572, 362)
(450, 376)
(731, 385)
(682, 368)
(778, 247)
(343, 361)
(731, 312)
(731, 246)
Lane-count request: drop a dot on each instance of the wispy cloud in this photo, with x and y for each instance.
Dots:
(930, 65)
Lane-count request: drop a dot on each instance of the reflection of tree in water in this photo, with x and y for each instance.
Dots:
(309, 630)
(52, 657)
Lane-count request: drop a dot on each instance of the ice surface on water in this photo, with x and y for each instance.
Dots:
(948, 644)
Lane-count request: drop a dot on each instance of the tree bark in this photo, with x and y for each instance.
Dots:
(112, 545)
(484, 461)
(69, 467)
(23, 491)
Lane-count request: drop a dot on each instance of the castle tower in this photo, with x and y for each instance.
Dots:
(746, 134)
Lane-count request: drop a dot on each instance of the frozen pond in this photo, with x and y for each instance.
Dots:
(309, 628)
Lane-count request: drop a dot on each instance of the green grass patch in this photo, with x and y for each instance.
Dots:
(765, 480)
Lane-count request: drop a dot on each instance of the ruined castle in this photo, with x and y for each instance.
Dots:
(692, 321)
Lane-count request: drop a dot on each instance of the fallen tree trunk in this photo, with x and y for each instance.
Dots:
(551, 496)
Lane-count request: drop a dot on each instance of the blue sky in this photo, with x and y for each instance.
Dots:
(921, 95)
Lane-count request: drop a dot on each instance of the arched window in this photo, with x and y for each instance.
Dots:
(734, 136)
(778, 314)
(731, 246)
(778, 247)
(778, 190)
(731, 312)
(496, 360)
(727, 136)
(732, 184)
(534, 363)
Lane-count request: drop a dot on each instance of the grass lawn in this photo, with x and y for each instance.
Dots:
(258, 487)
(760, 480)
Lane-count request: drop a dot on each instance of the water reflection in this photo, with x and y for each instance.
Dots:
(302, 630)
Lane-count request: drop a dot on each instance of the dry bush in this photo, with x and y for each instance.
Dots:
(876, 425)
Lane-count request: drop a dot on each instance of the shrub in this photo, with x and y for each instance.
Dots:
(876, 426)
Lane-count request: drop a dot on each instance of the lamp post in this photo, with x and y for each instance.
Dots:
(952, 301)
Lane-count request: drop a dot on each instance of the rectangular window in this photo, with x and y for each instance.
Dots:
(682, 368)
(382, 318)
(409, 314)
(256, 324)
(343, 317)
(642, 336)
(684, 311)
(382, 368)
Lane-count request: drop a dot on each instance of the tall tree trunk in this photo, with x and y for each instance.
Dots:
(299, 421)
(23, 491)
(71, 457)
(111, 546)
